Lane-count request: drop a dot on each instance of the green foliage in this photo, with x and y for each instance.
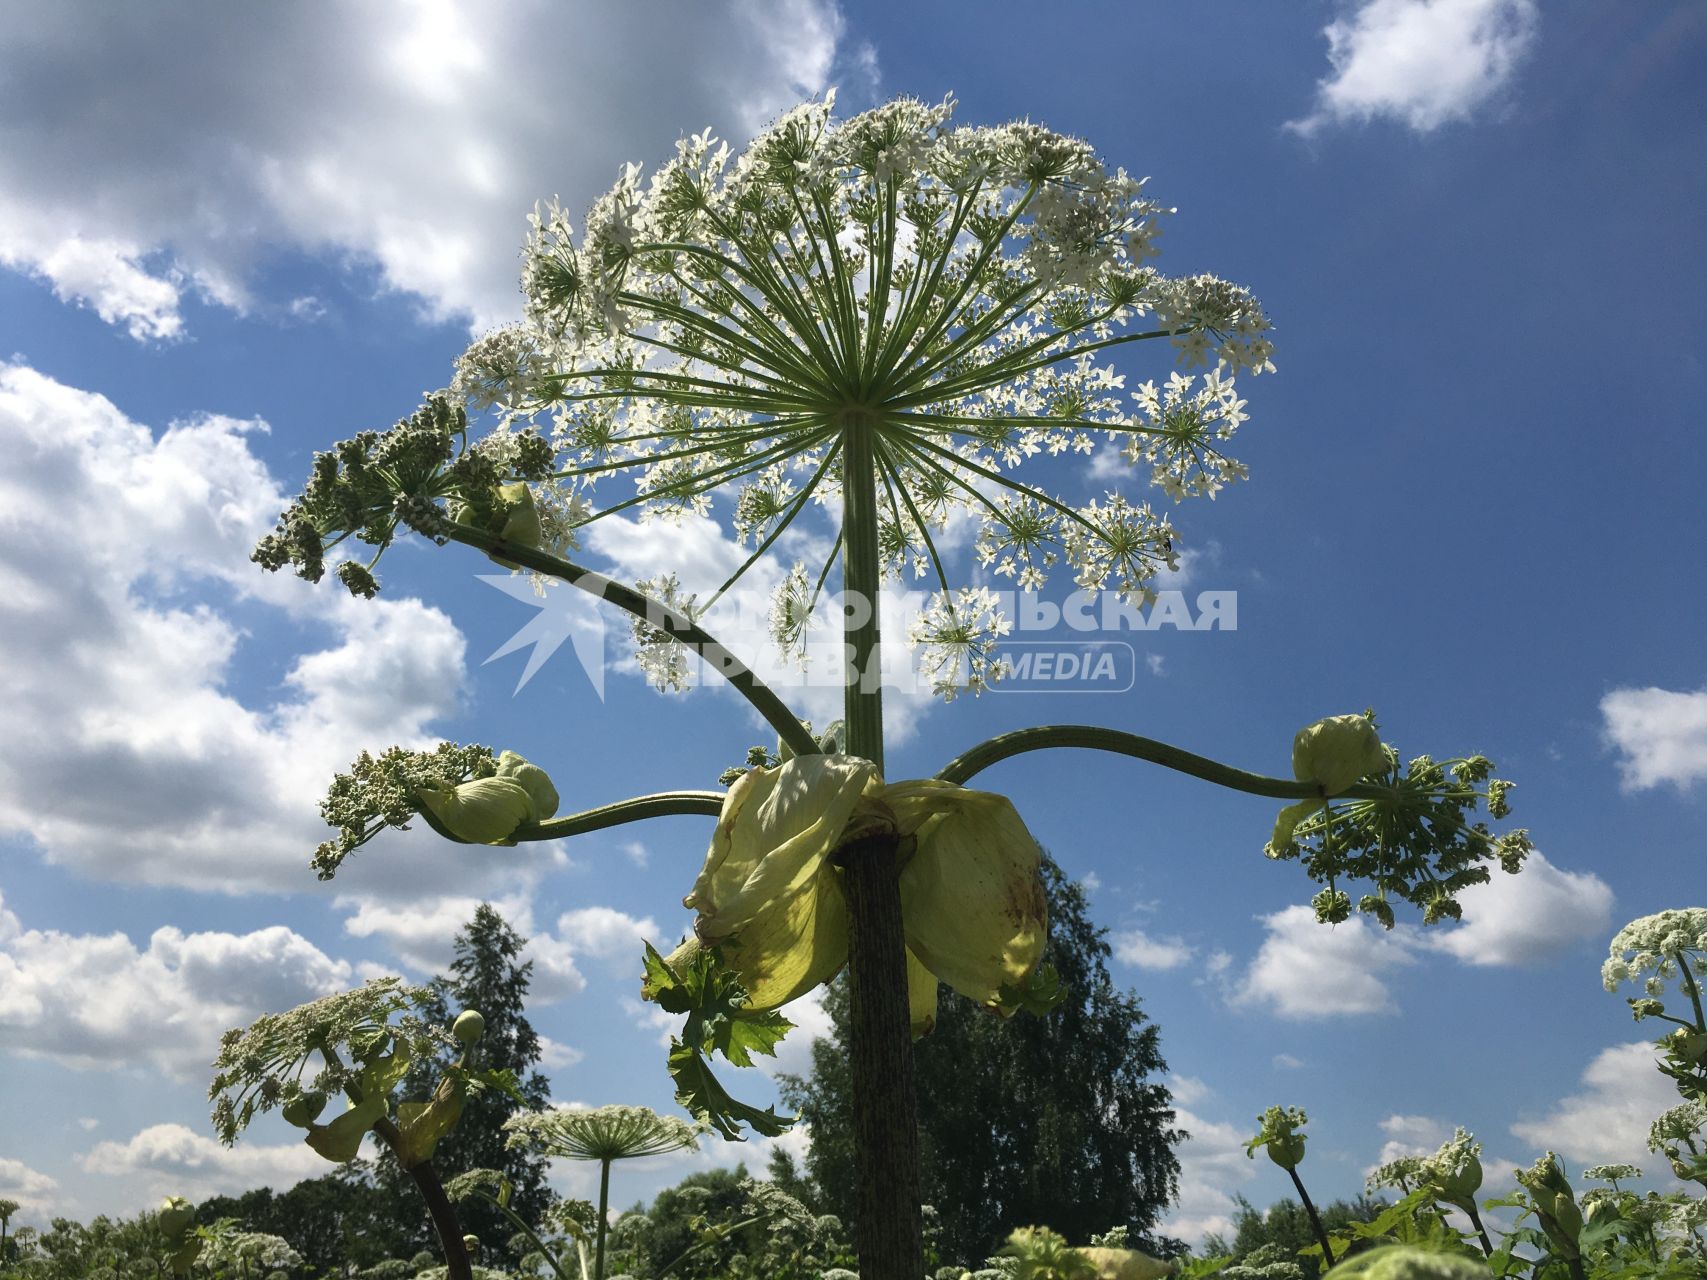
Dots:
(488, 974)
(723, 1225)
(386, 791)
(1051, 1119)
(368, 486)
(1273, 1243)
(711, 995)
(1413, 841)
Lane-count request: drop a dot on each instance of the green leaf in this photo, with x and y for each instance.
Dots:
(342, 1139)
(1041, 991)
(705, 1097)
(423, 1124)
(713, 998)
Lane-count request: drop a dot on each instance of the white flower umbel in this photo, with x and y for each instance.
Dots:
(950, 293)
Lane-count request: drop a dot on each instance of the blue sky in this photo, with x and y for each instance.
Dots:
(1475, 505)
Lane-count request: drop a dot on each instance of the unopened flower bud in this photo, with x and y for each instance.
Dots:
(533, 780)
(177, 1215)
(468, 1027)
(1601, 1210)
(1334, 753)
(304, 1109)
(483, 811)
(521, 526)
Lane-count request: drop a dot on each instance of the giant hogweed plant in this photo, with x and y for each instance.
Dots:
(1560, 1230)
(880, 321)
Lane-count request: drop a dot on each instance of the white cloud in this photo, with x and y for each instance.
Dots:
(31, 1189)
(1661, 734)
(1135, 947)
(1608, 1120)
(1533, 916)
(171, 1159)
(429, 132)
(1286, 1062)
(1308, 970)
(1213, 1169)
(1425, 63)
(554, 1055)
(607, 933)
(91, 1000)
(131, 609)
(423, 935)
(1409, 1136)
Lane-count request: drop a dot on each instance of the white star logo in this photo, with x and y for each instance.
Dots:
(564, 613)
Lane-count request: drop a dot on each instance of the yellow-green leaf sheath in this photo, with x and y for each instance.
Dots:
(776, 829)
(483, 811)
(972, 899)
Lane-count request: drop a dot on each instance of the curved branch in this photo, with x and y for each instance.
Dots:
(664, 804)
(1095, 738)
(677, 625)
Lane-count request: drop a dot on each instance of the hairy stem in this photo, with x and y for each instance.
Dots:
(1476, 1221)
(445, 1224)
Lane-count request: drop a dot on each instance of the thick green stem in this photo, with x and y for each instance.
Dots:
(889, 1232)
(604, 1220)
(445, 1224)
(1095, 738)
(1476, 1221)
(861, 584)
(1315, 1220)
(678, 625)
(1694, 989)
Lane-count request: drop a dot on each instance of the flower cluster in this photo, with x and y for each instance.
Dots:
(387, 790)
(1406, 831)
(265, 1067)
(1653, 951)
(604, 1133)
(422, 474)
(950, 292)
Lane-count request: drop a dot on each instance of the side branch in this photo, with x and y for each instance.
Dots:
(677, 625)
(662, 805)
(1096, 738)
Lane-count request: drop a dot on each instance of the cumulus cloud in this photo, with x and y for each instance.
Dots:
(1137, 948)
(1528, 918)
(429, 131)
(129, 602)
(32, 1190)
(1213, 1170)
(1308, 970)
(1607, 1121)
(1424, 63)
(99, 1000)
(606, 933)
(1660, 734)
(422, 933)
(171, 1159)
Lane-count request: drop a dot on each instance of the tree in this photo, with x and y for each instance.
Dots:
(486, 976)
(336, 1221)
(1053, 1119)
(1286, 1229)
